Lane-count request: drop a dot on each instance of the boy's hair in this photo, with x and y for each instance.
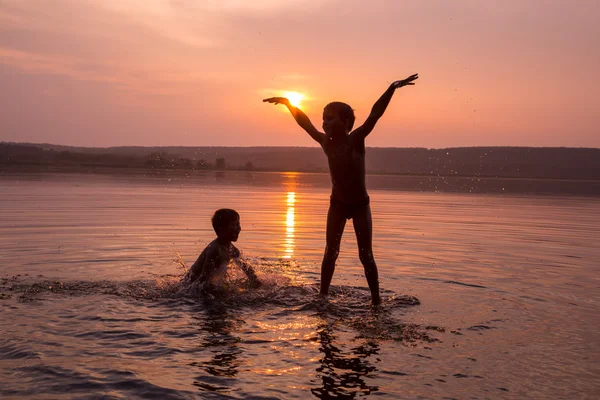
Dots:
(222, 217)
(343, 110)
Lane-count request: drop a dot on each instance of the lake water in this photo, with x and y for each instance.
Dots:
(484, 295)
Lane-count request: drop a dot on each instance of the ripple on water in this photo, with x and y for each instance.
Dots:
(15, 349)
(87, 383)
(202, 338)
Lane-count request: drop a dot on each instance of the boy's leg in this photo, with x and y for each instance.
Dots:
(336, 221)
(363, 227)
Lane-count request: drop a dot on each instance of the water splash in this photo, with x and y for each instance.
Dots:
(281, 289)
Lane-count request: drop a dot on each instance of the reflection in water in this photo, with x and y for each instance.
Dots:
(219, 176)
(290, 181)
(343, 374)
(223, 365)
(289, 225)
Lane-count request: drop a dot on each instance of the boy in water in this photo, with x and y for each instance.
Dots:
(345, 151)
(210, 269)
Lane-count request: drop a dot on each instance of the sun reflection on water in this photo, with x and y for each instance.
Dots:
(290, 225)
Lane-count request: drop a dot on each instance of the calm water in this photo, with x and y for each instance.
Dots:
(485, 296)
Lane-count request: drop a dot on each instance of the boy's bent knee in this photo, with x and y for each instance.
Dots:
(366, 257)
(331, 254)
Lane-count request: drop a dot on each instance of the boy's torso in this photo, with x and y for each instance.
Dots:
(212, 262)
(347, 168)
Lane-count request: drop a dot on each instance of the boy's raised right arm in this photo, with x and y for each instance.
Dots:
(381, 104)
(301, 118)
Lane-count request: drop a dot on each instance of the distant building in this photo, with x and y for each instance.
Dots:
(201, 164)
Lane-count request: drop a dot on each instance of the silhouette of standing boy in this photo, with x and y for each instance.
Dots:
(345, 151)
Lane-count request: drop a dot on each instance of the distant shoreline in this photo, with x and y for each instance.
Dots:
(126, 170)
(489, 163)
(398, 182)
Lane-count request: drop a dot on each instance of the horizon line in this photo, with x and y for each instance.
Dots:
(302, 147)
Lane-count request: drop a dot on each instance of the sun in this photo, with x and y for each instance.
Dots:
(295, 98)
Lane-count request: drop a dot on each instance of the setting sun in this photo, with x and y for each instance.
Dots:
(295, 98)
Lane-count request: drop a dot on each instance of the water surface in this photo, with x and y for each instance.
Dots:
(485, 295)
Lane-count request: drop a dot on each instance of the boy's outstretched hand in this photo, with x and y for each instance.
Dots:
(405, 82)
(277, 100)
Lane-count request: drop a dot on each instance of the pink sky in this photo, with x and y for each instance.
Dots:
(194, 72)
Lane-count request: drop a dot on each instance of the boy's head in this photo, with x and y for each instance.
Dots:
(338, 117)
(226, 223)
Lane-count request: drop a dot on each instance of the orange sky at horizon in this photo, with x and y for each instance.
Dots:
(194, 73)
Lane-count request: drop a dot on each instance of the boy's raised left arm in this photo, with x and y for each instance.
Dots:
(381, 104)
(301, 118)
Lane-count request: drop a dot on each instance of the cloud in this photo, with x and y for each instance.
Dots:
(204, 23)
(200, 60)
(150, 81)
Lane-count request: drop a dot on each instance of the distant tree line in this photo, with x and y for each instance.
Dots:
(19, 154)
(494, 162)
